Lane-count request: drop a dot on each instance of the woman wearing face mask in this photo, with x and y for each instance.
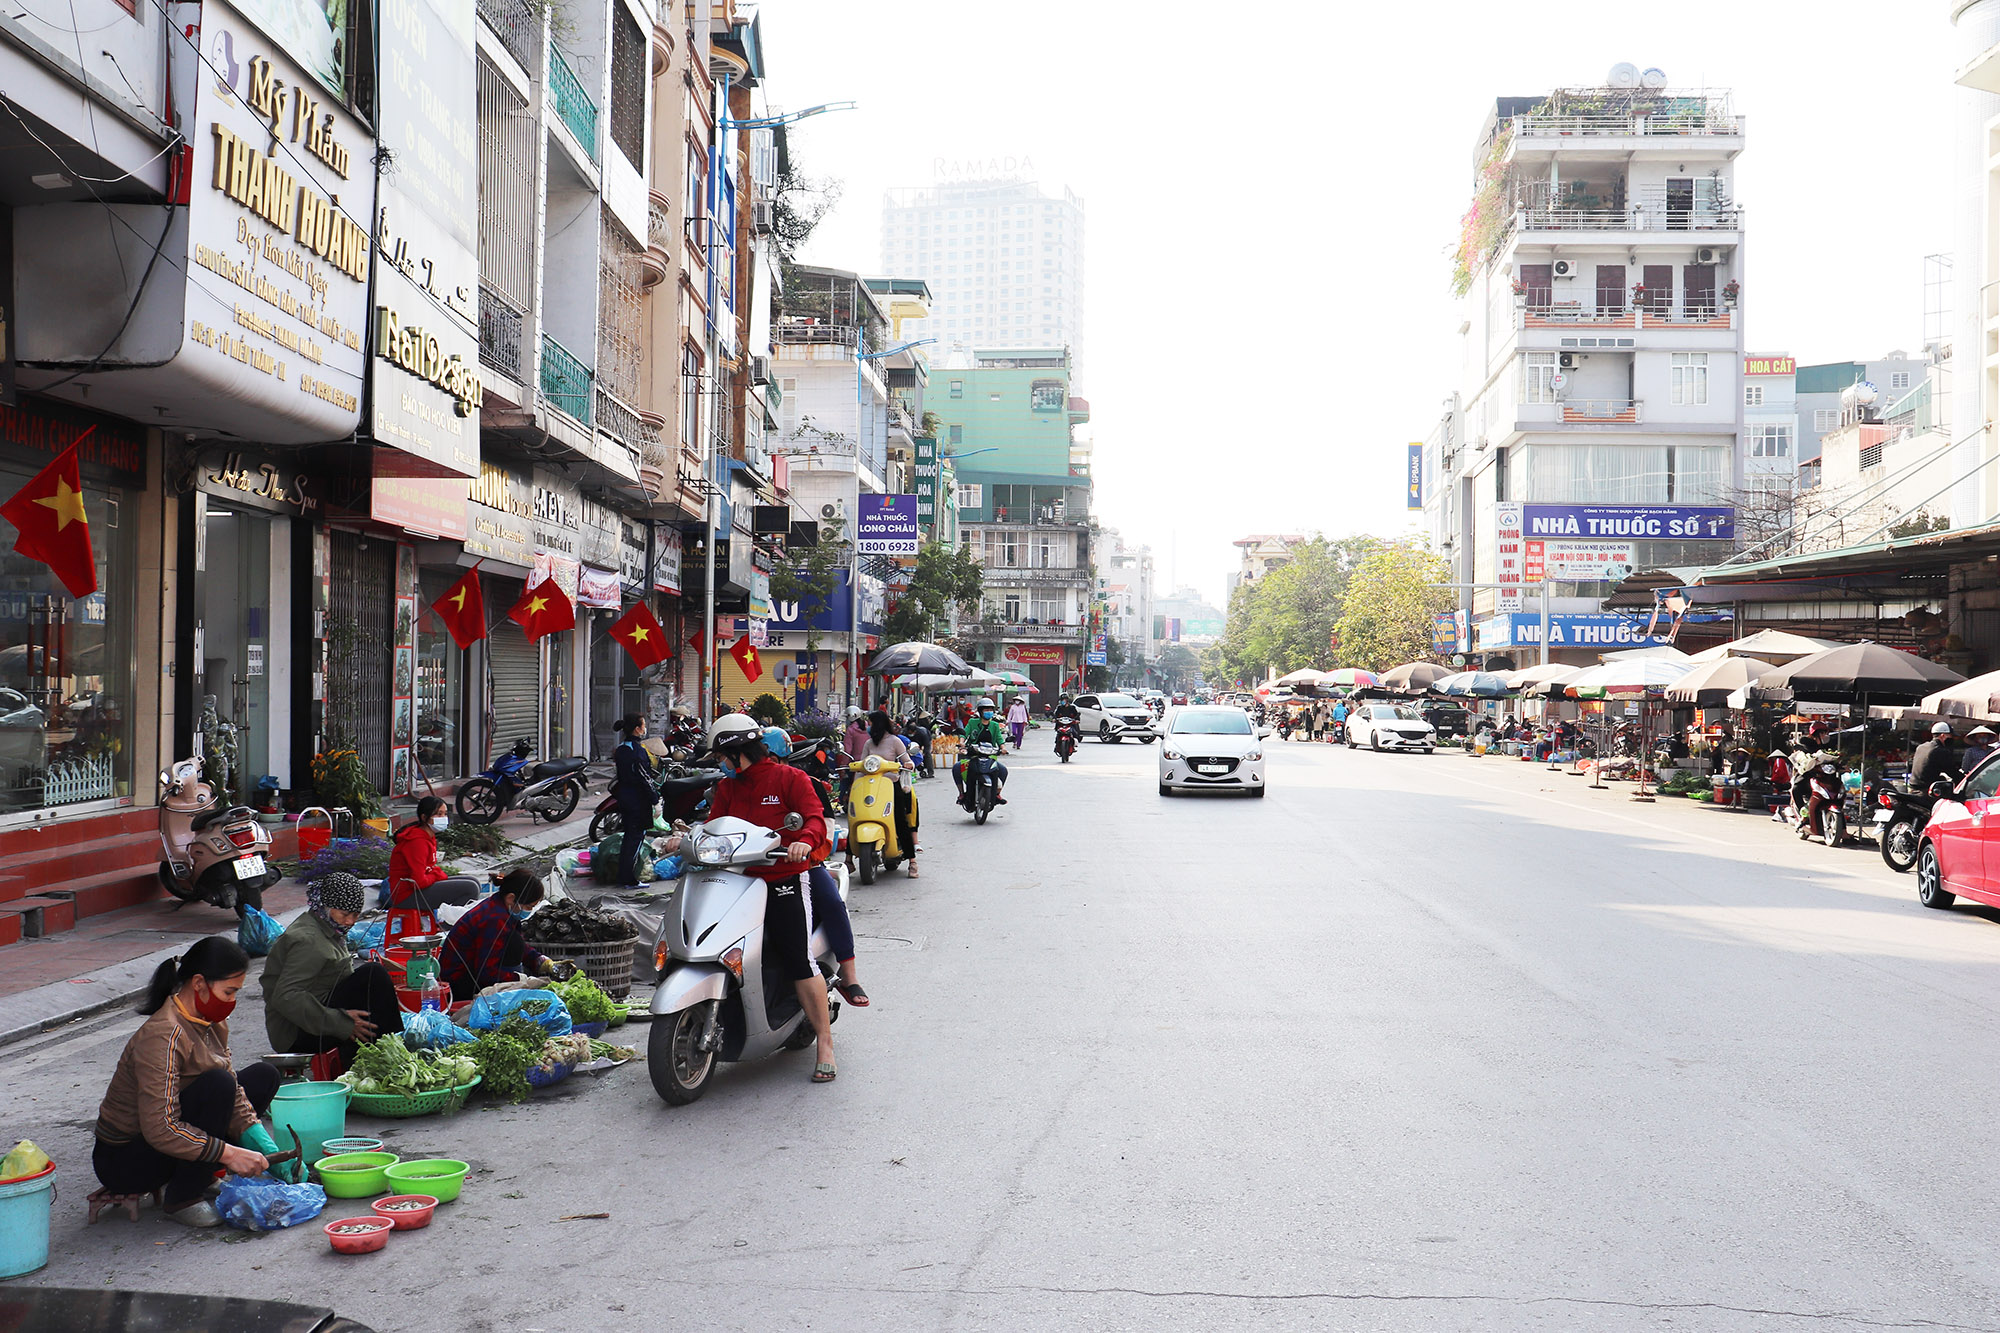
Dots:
(315, 997)
(487, 946)
(416, 875)
(884, 743)
(983, 727)
(177, 1107)
(634, 789)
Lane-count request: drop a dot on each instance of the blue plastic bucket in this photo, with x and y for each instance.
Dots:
(24, 1224)
(318, 1111)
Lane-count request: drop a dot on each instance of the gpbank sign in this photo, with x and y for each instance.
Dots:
(1586, 629)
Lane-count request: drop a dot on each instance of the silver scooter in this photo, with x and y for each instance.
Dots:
(714, 1001)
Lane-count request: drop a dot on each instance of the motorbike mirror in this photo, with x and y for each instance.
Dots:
(794, 822)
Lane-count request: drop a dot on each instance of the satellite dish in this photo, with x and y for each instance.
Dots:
(1654, 78)
(1625, 74)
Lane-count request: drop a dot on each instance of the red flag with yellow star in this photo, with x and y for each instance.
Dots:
(463, 610)
(543, 609)
(639, 630)
(745, 653)
(49, 513)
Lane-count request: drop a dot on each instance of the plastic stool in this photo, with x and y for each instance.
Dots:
(100, 1199)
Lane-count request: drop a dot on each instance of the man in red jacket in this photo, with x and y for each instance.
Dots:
(762, 792)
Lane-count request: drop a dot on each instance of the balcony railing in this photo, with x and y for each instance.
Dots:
(565, 380)
(624, 423)
(500, 327)
(519, 25)
(1637, 217)
(1021, 631)
(1615, 411)
(1009, 576)
(1573, 314)
(1693, 120)
(801, 331)
(573, 104)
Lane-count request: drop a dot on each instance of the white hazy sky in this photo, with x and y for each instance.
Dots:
(1273, 189)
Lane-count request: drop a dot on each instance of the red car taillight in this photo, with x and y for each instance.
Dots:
(243, 837)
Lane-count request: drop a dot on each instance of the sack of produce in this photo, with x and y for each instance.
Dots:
(542, 1007)
(259, 931)
(263, 1203)
(366, 935)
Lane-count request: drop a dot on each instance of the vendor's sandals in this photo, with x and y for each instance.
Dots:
(100, 1199)
(851, 992)
(823, 1072)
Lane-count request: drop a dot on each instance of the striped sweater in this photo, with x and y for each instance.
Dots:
(170, 1050)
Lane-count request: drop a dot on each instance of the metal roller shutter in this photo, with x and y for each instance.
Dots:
(363, 592)
(516, 665)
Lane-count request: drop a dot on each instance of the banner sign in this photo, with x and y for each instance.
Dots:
(1668, 522)
(1807, 708)
(666, 559)
(1575, 562)
(1095, 659)
(1028, 654)
(927, 480)
(1582, 629)
(1415, 499)
(1508, 568)
(1770, 365)
(1444, 632)
(886, 525)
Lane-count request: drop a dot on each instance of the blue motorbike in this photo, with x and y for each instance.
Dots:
(548, 790)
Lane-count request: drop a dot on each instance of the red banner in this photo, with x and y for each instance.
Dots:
(1032, 655)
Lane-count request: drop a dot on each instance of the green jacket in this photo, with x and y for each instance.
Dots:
(980, 729)
(308, 960)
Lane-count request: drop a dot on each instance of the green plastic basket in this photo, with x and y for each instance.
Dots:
(391, 1107)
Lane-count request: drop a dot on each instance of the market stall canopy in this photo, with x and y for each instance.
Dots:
(1542, 680)
(1414, 676)
(1666, 652)
(1015, 680)
(1474, 685)
(1771, 645)
(1349, 676)
(1978, 697)
(1710, 684)
(917, 656)
(1633, 677)
(1856, 669)
(938, 683)
(1303, 676)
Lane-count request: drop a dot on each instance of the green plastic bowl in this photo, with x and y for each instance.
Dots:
(439, 1177)
(342, 1183)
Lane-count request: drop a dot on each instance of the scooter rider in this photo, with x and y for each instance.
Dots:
(1065, 710)
(983, 728)
(764, 793)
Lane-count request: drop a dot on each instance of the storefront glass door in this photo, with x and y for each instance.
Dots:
(236, 648)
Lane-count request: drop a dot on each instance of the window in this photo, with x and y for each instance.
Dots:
(958, 434)
(1046, 609)
(1826, 419)
(1753, 395)
(1899, 379)
(1690, 379)
(957, 391)
(630, 73)
(1012, 608)
(971, 495)
(1769, 439)
(690, 396)
(1538, 377)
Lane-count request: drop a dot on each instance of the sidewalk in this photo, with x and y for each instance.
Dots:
(107, 960)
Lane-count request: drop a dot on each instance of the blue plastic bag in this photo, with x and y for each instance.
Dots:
(430, 1030)
(366, 935)
(263, 1203)
(669, 867)
(540, 1006)
(259, 931)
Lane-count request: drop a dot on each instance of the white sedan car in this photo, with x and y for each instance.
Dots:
(1390, 727)
(1211, 749)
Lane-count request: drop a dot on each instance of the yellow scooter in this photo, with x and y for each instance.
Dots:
(871, 817)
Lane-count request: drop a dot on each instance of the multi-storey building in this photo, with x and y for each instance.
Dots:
(1125, 578)
(1259, 554)
(1004, 260)
(1601, 269)
(1817, 392)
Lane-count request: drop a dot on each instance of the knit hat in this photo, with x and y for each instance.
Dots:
(338, 892)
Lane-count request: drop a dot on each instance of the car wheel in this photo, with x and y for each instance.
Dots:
(1428, 749)
(1104, 733)
(1165, 790)
(1258, 792)
(1374, 742)
(1931, 891)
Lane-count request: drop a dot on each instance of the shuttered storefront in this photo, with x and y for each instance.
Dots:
(516, 677)
(361, 630)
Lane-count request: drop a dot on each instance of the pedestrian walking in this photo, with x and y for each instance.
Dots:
(1017, 721)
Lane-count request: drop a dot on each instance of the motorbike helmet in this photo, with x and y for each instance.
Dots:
(681, 710)
(778, 741)
(985, 702)
(733, 731)
(521, 749)
(855, 714)
(1941, 729)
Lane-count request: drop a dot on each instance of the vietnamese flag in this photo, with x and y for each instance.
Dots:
(543, 609)
(642, 636)
(745, 653)
(48, 511)
(463, 610)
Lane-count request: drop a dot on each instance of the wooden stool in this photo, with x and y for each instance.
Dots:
(100, 1199)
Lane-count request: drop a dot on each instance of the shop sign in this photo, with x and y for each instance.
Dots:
(1029, 654)
(1575, 562)
(1665, 522)
(556, 514)
(1770, 365)
(886, 525)
(632, 553)
(667, 560)
(104, 445)
(760, 595)
(597, 534)
(262, 483)
(499, 516)
(1508, 569)
(1414, 498)
(598, 587)
(1583, 629)
(927, 480)
(428, 506)
(1444, 632)
(1807, 708)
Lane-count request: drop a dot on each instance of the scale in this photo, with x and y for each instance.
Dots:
(423, 965)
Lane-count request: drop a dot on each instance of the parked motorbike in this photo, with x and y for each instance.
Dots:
(713, 1001)
(982, 788)
(1899, 818)
(212, 852)
(1068, 733)
(546, 791)
(683, 796)
(871, 819)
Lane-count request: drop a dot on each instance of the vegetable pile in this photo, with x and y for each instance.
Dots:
(567, 921)
(587, 1003)
(386, 1067)
(505, 1055)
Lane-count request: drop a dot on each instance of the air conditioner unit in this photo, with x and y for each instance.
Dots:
(760, 370)
(1567, 360)
(833, 511)
(763, 217)
(1708, 256)
(1565, 268)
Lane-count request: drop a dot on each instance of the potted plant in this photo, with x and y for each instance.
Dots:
(1731, 291)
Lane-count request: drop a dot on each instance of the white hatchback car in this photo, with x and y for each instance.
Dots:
(1211, 748)
(1390, 727)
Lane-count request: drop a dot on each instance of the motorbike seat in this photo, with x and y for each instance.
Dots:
(693, 782)
(218, 814)
(555, 768)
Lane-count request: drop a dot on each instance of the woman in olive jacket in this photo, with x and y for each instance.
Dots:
(315, 997)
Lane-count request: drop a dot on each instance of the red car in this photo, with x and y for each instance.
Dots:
(1960, 855)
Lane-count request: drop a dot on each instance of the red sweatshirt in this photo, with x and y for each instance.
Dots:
(413, 862)
(764, 794)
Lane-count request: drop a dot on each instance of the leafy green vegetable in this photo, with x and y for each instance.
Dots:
(386, 1067)
(587, 1003)
(506, 1053)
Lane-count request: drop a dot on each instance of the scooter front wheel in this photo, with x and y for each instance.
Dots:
(869, 859)
(680, 1070)
(479, 802)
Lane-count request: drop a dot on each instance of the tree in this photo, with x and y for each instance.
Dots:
(1178, 665)
(1285, 620)
(946, 577)
(1391, 600)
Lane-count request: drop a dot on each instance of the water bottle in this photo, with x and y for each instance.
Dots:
(432, 996)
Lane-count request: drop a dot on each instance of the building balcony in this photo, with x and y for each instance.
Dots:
(1020, 631)
(656, 261)
(519, 27)
(501, 323)
(574, 106)
(810, 333)
(1646, 315)
(566, 381)
(1568, 222)
(1580, 412)
(1705, 122)
(663, 46)
(1009, 576)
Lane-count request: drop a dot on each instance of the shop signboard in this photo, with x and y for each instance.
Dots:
(760, 594)
(1575, 562)
(425, 388)
(499, 516)
(632, 553)
(253, 480)
(666, 559)
(1582, 629)
(429, 506)
(1509, 567)
(1032, 654)
(597, 538)
(599, 588)
(927, 481)
(1415, 480)
(1444, 632)
(1095, 659)
(886, 525)
(1611, 522)
(1770, 365)
(1808, 708)
(556, 514)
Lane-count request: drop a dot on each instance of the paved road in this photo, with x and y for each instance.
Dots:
(1415, 1043)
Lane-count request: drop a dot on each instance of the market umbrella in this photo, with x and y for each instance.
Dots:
(1303, 676)
(976, 679)
(1413, 677)
(1710, 684)
(1016, 680)
(1539, 674)
(1349, 676)
(1633, 676)
(1666, 652)
(917, 656)
(1857, 669)
(1474, 685)
(1772, 645)
(1978, 698)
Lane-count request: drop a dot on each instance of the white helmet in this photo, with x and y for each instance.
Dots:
(732, 731)
(984, 702)
(1941, 729)
(855, 714)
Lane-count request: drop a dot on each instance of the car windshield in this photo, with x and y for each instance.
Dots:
(1220, 722)
(1119, 701)
(1395, 713)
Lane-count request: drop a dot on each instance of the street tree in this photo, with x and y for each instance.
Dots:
(946, 577)
(1285, 620)
(1391, 599)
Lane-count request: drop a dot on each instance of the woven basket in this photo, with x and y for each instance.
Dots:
(392, 1107)
(609, 965)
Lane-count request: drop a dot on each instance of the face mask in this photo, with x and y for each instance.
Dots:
(987, 714)
(214, 1008)
(518, 914)
(441, 823)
